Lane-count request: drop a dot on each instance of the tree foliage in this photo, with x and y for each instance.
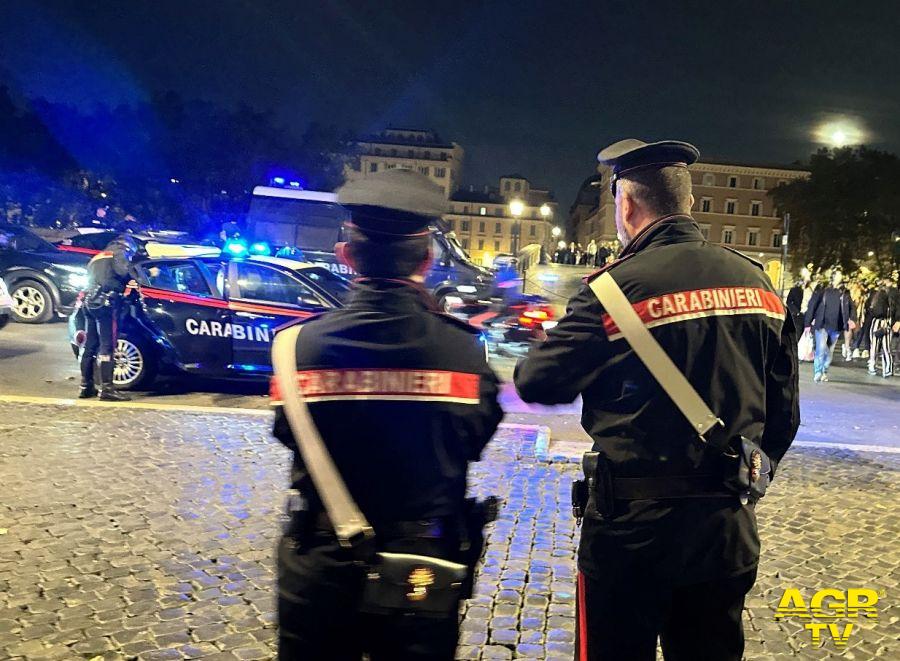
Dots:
(848, 207)
(169, 162)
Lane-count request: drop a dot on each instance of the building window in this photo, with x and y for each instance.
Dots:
(732, 182)
(706, 204)
(377, 151)
(709, 179)
(465, 210)
(393, 152)
(440, 173)
(758, 183)
(481, 227)
(427, 155)
(496, 246)
(481, 244)
(390, 166)
(443, 156)
(465, 244)
(373, 167)
(728, 235)
(518, 186)
(731, 206)
(782, 182)
(532, 230)
(704, 230)
(424, 170)
(498, 228)
(776, 238)
(755, 208)
(498, 211)
(753, 236)
(482, 211)
(506, 186)
(465, 226)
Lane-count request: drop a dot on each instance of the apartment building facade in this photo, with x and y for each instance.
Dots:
(486, 221)
(419, 150)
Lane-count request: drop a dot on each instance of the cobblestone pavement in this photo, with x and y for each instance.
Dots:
(154, 540)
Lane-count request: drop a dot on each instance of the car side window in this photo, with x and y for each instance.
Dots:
(182, 277)
(261, 283)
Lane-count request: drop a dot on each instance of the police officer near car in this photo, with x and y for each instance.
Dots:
(108, 274)
(402, 399)
(669, 544)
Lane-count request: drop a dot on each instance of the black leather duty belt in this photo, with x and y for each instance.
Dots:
(678, 486)
(425, 529)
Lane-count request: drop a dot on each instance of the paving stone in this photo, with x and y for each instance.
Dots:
(129, 550)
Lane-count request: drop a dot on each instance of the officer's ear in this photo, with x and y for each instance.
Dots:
(345, 255)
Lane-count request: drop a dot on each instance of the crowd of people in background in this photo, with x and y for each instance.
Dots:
(593, 254)
(861, 314)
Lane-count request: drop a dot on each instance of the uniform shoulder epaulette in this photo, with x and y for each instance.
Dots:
(603, 269)
(749, 259)
(456, 321)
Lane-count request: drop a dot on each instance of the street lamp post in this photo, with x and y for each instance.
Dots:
(516, 208)
(785, 230)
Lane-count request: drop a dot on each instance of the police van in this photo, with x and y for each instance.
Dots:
(312, 221)
(212, 316)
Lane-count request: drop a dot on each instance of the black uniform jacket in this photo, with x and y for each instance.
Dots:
(716, 315)
(403, 398)
(108, 273)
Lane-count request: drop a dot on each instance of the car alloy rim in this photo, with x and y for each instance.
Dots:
(129, 363)
(29, 302)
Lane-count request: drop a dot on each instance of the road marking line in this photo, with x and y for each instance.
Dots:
(147, 406)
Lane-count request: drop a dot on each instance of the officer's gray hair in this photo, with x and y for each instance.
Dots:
(663, 191)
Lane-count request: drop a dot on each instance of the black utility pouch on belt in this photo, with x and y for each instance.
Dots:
(592, 497)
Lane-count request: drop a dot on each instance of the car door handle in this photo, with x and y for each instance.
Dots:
(250, 315)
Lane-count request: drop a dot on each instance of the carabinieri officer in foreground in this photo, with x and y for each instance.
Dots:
(403, 399)
(667, 551)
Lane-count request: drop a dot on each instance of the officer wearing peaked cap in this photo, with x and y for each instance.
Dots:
(403, 399)
(668, 549)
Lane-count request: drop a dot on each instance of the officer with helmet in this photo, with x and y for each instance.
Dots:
(403, 399)
(669, 545)
(108, 273)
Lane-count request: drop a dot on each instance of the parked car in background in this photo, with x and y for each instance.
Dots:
(212, 316)
(161, 243)
(6, 304)
(43, 281)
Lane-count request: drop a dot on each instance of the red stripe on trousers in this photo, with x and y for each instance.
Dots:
(582, 620)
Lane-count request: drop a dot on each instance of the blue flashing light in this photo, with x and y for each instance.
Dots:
(235, 247)
(278, 181)
(295, 184)
(260, 248)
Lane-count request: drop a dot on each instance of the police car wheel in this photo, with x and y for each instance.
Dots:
(135, 366)
(32, 303)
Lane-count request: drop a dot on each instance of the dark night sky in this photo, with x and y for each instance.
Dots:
(530, 87)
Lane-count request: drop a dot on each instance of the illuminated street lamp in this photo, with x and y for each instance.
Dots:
(556, 231)
(546, 211)
(516, 208)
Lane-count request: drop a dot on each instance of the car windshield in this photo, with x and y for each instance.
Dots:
(456, 248)
(336, 286)
(19, 238)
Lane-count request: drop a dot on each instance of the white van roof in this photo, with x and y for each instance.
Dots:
(294, 194)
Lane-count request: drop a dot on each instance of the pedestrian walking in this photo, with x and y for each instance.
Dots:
(828, 315)
(669, 545)
(402, 399)
(592, 253)
(885, 312)
(108, 273)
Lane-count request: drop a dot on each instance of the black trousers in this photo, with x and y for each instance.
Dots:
(620, 617)
(99, 342)
(318, 593)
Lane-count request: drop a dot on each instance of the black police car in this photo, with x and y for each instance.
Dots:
(152, 243)
(212, 316)
(42, 280)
